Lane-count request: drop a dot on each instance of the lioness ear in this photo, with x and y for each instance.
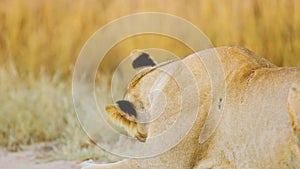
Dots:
(127, 110)
(141, 60)
(124, 115)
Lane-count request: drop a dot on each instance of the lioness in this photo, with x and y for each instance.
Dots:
(259, 128)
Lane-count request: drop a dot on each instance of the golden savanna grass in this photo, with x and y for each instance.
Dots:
(41, 39)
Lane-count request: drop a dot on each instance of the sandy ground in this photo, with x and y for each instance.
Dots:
(28, 160)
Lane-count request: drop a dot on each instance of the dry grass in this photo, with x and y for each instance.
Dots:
(41, 110)
(50, 33)
(40, 40)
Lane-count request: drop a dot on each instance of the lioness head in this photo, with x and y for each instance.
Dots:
(146, 99)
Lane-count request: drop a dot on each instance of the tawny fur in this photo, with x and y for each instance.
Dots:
(260, 127)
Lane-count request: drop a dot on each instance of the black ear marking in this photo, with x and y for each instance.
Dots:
(127, 107)
(143, 60)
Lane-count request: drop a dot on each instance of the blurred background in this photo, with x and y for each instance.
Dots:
(41, 39)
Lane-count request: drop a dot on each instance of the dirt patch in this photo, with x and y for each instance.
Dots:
(28, 160)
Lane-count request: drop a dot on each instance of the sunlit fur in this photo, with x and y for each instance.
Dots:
(259, 127)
